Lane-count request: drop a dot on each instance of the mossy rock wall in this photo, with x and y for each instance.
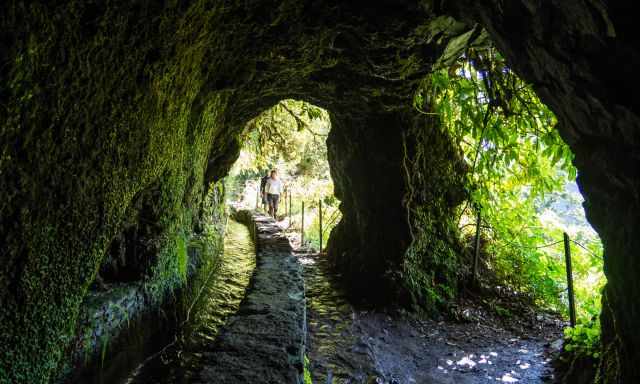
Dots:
(104, 124)
(115, 117)
(117, 318)
(399, 179)
(435, 177)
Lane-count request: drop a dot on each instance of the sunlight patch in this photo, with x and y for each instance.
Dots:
(507, 378)
(467, 361)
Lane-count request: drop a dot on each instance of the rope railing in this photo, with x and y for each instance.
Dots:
(589, 252)
(323, 226)
(514, 245)
(567, 253)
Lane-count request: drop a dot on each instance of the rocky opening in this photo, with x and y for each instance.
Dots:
(103, 103)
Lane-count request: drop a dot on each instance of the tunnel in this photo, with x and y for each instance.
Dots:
(119, 120)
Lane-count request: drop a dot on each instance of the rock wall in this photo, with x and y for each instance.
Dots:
(103, 127)
(399, 178)
(111, 315)
(115, 117)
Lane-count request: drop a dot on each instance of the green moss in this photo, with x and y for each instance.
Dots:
(182, 258)
(307, 372)
(435, 175)
(106, 106)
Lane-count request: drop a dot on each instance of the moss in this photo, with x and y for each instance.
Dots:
(435, 175)
(182, 258)
(98, 115)
(307, 373)
(117, 115)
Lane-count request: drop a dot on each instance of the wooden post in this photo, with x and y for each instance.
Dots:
(290, 205)
(258, 196)
(285, 203)
(302, 227)
(476, 254)
(572, 300)
(320, 220)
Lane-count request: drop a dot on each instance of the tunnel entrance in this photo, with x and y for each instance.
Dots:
(289, 137)
(166, 91)
(524, 216)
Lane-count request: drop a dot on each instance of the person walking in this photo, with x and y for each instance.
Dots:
(263, 193)
(273, 188)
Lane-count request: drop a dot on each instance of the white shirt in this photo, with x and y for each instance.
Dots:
(273, 186)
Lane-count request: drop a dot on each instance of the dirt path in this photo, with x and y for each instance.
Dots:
(347, 345)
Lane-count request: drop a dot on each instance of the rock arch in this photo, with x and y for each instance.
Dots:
(101, 102)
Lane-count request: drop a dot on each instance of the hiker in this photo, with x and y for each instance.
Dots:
(273, 188)
(263, 194)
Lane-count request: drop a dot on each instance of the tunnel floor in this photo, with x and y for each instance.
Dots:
(350, 345)
(346, 344)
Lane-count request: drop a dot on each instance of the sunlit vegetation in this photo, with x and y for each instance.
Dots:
(289, 137)
(523, 182)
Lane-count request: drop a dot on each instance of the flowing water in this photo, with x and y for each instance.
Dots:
(178, 358)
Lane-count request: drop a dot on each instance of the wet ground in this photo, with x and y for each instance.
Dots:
(347, 345)
(180, 357)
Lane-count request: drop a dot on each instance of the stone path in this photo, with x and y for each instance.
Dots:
(264, 341)
(350, 345)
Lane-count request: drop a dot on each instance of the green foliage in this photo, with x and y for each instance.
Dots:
(584, 339)
(101, 117)
(293, 131)
(307, 373)
(520, 172)
(331, 216)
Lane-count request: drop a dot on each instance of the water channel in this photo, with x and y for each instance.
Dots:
(345, 344)
(177, 355)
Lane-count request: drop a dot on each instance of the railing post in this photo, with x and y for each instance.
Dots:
(476, 254)
(320, 220)
(572, 301)
(290, 205)
(257, 196)
(302, 227)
